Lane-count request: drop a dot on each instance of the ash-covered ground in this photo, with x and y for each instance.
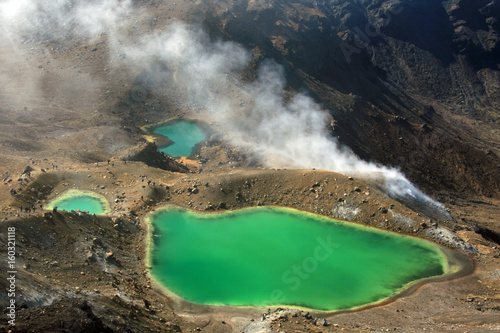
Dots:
(292, 121)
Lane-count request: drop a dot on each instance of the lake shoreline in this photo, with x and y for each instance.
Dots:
(457, 265)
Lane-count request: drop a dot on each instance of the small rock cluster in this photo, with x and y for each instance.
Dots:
(279, 318)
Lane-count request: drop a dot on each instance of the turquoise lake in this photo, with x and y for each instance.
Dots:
(265, 256)
(84, 201)
(184, 136)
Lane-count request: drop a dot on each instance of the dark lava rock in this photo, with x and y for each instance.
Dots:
(66, 315)
(148, 153)
(401, 68)
(487, 233)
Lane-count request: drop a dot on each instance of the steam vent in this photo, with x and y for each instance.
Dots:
(250, 166)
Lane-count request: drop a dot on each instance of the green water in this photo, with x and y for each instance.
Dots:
(274, 256)
(185, 135)
(84, 201)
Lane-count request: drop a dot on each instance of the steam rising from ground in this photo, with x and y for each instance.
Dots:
(35, 33)
(258, 115)
(62, 18)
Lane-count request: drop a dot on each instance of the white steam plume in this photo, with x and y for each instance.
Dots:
(51, 19)
(285, 132)
(34, 33)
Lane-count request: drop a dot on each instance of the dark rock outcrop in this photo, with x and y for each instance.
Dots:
(65, 315)
(148, 153)
(413, 84)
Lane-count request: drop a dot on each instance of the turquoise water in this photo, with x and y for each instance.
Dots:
(185, 135)
(83, 201)
(274, 256)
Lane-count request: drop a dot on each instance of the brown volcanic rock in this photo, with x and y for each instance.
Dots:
(93, 270)
(65, 315)
(432, 65)
(418, 95)
(148, 153)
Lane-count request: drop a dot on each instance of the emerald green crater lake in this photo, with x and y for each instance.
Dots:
(80, 200)
(184, 136)
(270, 256)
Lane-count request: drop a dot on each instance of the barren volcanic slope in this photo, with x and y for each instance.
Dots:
(332, 107)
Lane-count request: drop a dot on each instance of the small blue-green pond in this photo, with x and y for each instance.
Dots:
(184, 135)
(265, 256)
(80, 200)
